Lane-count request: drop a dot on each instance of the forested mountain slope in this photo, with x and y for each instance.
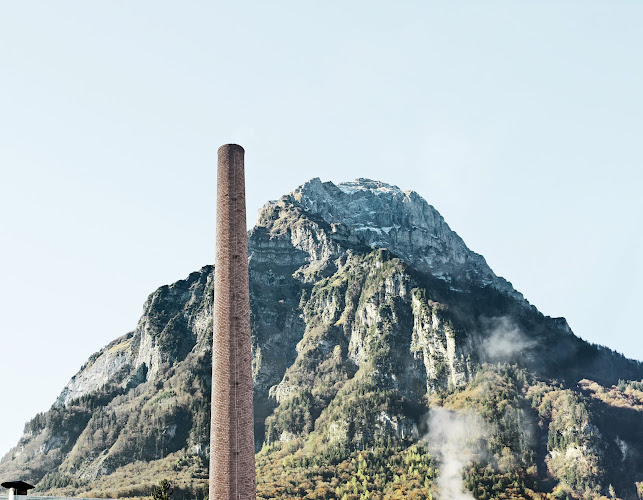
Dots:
(386, 356)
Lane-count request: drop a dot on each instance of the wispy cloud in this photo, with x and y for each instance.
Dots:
(505, 341)
(456, 439)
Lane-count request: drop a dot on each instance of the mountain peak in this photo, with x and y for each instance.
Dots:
(371, 213)
(360, 186)
(364, 184)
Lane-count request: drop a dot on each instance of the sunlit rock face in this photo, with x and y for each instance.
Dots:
(365, 307)
(378, 215)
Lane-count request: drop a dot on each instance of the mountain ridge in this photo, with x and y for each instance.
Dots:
(367, 311)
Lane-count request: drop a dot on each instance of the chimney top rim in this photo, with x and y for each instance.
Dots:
(231, 146)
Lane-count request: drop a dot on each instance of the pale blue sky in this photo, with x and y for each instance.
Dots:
(521, 122)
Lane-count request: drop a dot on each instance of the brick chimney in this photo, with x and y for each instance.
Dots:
(232, 464)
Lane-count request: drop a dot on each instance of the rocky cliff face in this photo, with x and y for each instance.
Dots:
(366, 309)
(371, 214)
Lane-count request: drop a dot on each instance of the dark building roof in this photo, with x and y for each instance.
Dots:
(19, 485)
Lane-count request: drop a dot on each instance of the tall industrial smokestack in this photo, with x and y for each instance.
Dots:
(232, 460)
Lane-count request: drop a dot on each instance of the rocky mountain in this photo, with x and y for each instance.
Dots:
(377, 334)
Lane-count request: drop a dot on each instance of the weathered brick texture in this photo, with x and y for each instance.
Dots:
(232, 463)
